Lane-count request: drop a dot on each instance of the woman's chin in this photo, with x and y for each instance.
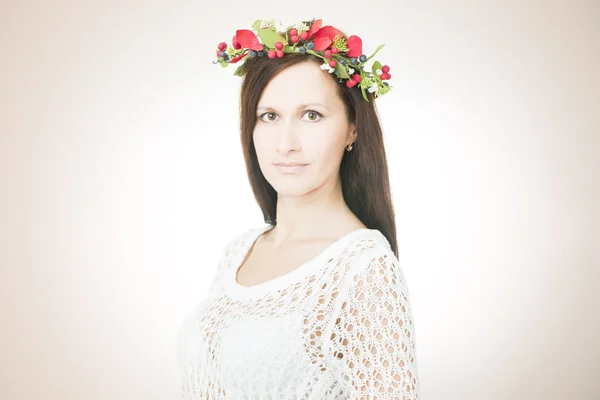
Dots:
(290, 188)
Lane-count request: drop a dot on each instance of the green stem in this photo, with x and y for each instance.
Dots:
(376, 51)
(360, 64)
(315, 53)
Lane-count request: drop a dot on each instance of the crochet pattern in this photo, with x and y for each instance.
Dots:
(337, 327)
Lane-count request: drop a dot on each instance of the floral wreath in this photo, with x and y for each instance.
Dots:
(342, 55)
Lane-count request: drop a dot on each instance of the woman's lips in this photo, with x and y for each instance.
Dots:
(290, 168)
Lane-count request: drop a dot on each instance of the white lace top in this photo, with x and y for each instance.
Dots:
(337, 327)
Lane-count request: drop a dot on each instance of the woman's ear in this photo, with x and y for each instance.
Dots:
(353, 135)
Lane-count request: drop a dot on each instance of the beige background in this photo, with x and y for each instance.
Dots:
(122, 178)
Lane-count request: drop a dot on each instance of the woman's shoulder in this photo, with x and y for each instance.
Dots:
(234, 247)
(372, 241)
(250, 234)
(355, 250)
(243, 237)
(371, 248)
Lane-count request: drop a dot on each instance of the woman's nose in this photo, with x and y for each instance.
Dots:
(288, 138)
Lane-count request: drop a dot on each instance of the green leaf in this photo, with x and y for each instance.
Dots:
(224, 63)
(256, 25)
(241, 70)
(376, 65)
(269, 38)
(376, 50)
(362, 88)
(340, 70)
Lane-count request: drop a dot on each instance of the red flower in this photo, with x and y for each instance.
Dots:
(328, 31)
(247, 39)
(239, 57)
(354, 46)
(314, 27)
(321, 43)
(325, 36)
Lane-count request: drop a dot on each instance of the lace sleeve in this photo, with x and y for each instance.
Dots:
(372, 340)
(216, 273)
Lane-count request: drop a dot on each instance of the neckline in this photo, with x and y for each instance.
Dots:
(237, 289)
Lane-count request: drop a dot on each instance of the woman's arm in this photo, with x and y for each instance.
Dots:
(372, 341)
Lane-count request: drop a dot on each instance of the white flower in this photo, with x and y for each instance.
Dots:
(378, 72)
(350, 71)
(280, 27)
(274, 24)
(327, 67)
(373, 88)
(302, 27)
(267, 23)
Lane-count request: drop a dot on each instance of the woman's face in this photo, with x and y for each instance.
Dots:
(301, 120)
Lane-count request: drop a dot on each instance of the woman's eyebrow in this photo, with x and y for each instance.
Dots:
(297, 108)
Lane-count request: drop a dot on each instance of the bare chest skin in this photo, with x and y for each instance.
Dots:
(264, 263)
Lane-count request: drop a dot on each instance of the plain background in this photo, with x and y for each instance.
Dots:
(122, 178)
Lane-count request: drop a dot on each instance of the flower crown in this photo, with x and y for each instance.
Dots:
(342, 55)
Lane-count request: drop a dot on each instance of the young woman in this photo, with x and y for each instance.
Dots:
(314, 304)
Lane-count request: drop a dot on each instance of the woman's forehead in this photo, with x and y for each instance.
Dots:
(300, 84)
(297, 107)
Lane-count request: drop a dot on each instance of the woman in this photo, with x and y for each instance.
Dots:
(312, 305)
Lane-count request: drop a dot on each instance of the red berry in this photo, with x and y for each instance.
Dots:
(350, 83)
(332, 63)
(327, 54)
(279, 45)
(222, 46)
(334, 50)
(272, 54)
(382, 76)
(236, 45)
(389, 76)
(304, 35)
(356, 78)
(294, 39)
(294, 32)
(280, 53)
(385, 69)
(219, 53)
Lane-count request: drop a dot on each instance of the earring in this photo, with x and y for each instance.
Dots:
(349, 147)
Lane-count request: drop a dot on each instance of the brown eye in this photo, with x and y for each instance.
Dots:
(313, 115)
(270, 117)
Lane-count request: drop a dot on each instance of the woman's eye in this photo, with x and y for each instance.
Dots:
(271, 116)
(313, 115)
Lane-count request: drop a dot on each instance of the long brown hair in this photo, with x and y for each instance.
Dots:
(363, 171)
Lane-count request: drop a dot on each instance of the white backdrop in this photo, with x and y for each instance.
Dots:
(122, 178)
